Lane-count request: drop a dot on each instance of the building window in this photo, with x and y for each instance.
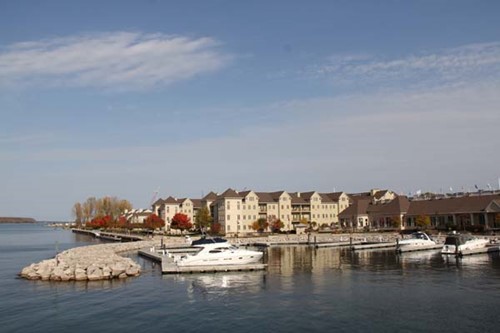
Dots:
(228, 205)
(228, 217)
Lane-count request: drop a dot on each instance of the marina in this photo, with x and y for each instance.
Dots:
(294, 277)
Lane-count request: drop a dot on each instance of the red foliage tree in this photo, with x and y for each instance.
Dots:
(153, 222)
(215, 228)
(100, 222)
(276, 225)
(181, 221)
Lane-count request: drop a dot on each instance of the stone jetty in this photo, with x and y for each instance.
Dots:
(93, 262)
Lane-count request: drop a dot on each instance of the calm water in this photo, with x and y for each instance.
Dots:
(319, 290)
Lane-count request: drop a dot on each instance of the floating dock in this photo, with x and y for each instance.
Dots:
(338, 244)
(169, 267)
(367, 246)
(418, 248)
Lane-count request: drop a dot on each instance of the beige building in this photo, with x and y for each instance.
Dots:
(237, 211)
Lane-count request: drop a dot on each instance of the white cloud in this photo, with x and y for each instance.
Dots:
(466, 63)
(118, 60)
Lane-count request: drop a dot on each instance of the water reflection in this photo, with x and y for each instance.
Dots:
(221, 284)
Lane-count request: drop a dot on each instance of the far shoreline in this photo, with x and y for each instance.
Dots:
(6, 220)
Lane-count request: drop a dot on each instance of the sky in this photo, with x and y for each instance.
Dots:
(133, 98)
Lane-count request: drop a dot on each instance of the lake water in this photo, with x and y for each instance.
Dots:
(304, 289)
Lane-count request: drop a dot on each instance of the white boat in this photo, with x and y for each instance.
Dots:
(417, 239)
(457, 243)
(217, 252)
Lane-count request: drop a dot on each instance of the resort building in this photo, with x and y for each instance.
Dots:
(473, 211)
(236, 211)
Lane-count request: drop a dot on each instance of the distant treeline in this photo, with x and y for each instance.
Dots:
(17, 220)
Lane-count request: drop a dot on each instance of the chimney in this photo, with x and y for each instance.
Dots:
(298, 194)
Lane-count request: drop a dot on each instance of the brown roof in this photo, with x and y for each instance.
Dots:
(359, 207)
(380, 194)
(196, 203)
(210, 196)
(158, 202)
(264, 197)
(398, 206)
(335, 196)
(296, 200)
(229, 193)
(325, 198)
(171, 200)
(466, 204)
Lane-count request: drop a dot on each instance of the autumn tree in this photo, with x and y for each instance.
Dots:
(396, 222)
(153, 222)
(276, 225)
(260, 225)
(99, 208)
(215, 228)
(423, 222)
(181, 221)
(203, 219)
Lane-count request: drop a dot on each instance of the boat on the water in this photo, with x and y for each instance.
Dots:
(416, 240)
(216, 252)
(456, 243)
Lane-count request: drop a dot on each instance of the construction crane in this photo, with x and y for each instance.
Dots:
(155, 196)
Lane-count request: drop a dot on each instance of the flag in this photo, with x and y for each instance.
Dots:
(477, 188)
(489, 186)
(451, 189)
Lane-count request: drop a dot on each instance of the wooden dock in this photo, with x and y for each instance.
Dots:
(169, 267)
(418, 248)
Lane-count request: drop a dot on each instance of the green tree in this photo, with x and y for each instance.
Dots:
(203, 219)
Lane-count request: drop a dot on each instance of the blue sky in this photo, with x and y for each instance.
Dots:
(124, 97)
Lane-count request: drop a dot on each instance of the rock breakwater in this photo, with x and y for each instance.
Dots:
(93, 262)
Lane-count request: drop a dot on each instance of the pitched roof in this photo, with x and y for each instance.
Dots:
(264, 197)
(359, 207)
(297, 200)
(171, 200)
(196, 203)
(229, 193)
(158, 202)
(466, 204)
(325, 198)
(335, 196)
(210, 196)
(397, 206)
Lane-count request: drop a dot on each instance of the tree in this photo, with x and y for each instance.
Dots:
(106, 206)
(181, 221)
(276, 225)
(78, 213)
(203, 219)
(423, 221)
(215, 228)
(396, 222)
(260, 225)
(153, 222)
